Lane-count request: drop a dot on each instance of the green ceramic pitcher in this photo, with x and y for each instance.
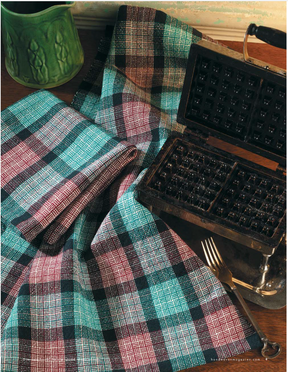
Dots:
(41, 44)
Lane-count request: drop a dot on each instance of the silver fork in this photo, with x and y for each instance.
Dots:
(221, 271)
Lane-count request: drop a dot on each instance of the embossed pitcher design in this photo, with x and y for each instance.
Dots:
(41, 43)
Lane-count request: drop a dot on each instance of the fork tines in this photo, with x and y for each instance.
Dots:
(212, 254)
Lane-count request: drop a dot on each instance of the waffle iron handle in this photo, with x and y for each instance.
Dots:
(269, 35)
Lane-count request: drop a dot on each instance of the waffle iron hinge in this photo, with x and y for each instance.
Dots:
(245, 154)
(235, 150)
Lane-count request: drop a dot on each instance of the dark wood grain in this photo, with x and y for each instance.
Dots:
(264, 52)
(273, 322)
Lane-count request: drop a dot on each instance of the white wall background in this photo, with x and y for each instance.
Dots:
(226, 20)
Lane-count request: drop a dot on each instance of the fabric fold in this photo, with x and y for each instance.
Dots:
(120, 291)
(54, 162)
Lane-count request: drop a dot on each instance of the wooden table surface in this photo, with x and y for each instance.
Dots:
(273, 322)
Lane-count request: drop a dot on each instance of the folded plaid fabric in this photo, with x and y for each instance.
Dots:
(54, 162)
(120, 291)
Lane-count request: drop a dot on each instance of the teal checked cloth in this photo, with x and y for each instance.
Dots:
(91, 280)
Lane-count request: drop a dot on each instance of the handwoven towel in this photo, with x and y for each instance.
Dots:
(120, 291)
(54, 162)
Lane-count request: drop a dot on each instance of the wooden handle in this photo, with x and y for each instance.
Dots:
(269, 35)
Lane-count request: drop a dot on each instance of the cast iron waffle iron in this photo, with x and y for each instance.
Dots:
(227, 103)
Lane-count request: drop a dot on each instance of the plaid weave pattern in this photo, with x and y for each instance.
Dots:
(54, 160)
(119, 291)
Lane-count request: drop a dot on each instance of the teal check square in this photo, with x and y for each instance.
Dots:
(85, 312)
(168, 298)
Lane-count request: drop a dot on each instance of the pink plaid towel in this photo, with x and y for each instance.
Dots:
(91, 280)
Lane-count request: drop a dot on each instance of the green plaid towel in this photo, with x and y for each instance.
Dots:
(95, 282)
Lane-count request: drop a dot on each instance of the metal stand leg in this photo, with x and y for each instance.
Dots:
(263, 269)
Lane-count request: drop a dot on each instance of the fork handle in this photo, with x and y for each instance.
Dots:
(268, 345)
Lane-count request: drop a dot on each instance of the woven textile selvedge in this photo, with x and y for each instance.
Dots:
(103, 284)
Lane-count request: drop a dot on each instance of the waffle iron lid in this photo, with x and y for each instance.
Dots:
(237, 102)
